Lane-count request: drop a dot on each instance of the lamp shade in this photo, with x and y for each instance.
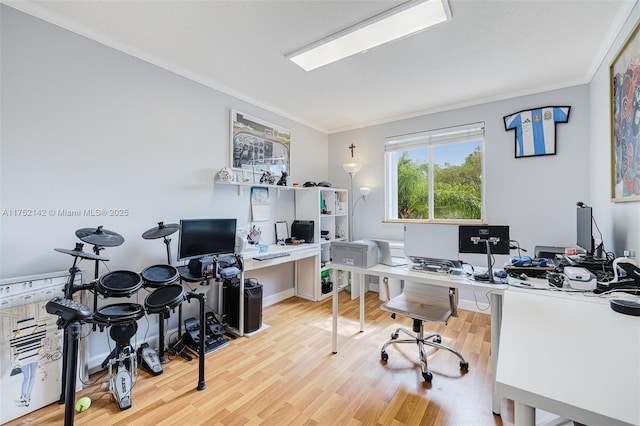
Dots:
(351, 167)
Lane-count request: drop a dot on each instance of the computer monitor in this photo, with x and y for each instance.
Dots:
(432, 243)
(474, 238)
(303, 230)
(584, 229)
(206, 237)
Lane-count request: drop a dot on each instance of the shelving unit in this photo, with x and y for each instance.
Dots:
(328, 208)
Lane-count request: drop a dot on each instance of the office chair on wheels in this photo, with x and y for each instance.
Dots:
(422, 303)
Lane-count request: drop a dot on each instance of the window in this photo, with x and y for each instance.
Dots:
(436, 175)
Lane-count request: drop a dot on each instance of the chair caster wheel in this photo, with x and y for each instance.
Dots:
(394, 336)
(437, 339)
(384, 356)
(464, 366)
(427, 376)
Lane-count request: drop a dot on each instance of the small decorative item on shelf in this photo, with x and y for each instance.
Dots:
(283, 179)
(254, 235)
(225, 174)
(267, 177)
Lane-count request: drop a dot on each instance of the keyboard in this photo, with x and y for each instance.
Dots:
(271, 256)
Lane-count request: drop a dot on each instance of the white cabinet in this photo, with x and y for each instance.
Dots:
(328, 208)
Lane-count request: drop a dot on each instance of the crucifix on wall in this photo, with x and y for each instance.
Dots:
(352, 147)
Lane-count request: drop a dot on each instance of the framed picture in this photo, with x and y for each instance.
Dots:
(624, 75)
(259, 145)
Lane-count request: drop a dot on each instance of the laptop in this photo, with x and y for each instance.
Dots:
(384, 254)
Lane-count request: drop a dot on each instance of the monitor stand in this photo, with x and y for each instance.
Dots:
(487, 276)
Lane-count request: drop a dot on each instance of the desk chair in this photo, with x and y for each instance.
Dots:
(422, 303)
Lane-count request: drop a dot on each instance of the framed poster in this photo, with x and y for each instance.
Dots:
(624, 75)
(259, 145)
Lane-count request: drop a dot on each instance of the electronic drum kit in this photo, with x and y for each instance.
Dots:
(166, 294)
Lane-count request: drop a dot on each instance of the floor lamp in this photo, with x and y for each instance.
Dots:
(351, 169)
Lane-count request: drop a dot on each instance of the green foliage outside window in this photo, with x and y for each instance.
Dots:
(457, 189)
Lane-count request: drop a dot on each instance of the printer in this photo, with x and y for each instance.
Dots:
(361, 253)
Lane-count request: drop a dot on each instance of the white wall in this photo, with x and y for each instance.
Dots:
(619, 222)
(535, 196)
(85, 126)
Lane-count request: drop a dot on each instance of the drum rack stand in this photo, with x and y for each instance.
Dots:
(70, 327)
(175, 346)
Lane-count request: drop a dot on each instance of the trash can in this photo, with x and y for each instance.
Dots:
(252, 303)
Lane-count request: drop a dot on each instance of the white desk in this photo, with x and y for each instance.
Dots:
(571, 355)
(457, 281)
(296, 252)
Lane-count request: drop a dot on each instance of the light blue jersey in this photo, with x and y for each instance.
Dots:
(536, 129)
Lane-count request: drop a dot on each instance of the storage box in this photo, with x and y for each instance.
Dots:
(362, 254)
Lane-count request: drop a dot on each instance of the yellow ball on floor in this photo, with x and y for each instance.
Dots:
(83, 404)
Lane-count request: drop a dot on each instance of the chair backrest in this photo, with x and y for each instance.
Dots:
(448, 295)
(426, 302)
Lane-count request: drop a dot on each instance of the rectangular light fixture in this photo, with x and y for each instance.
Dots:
(401, 21)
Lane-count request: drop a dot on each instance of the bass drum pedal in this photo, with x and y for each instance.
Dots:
(149, 360)
(121, 384)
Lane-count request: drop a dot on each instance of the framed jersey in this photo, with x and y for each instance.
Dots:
(535, 129)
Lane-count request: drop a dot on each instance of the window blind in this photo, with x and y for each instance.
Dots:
(456, 134)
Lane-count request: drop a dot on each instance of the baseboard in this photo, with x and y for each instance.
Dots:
(471, 305)
(278, 297)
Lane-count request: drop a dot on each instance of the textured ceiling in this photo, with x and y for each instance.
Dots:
(491, 50)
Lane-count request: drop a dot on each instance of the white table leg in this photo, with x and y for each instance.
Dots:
(334, 325)
(361, 279)
(496, 323)
(524, 415)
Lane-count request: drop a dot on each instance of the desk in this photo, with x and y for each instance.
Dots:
(571, 355)
(457, 281)
(296, 253)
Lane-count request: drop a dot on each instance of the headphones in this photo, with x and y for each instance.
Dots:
(309, 184)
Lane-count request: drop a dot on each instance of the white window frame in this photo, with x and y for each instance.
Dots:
(394, 145)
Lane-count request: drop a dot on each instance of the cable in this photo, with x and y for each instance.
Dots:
(517, 246)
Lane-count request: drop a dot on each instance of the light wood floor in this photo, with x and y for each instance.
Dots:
(287, 374)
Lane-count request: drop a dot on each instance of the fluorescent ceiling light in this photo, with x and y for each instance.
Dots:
(398, 22)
